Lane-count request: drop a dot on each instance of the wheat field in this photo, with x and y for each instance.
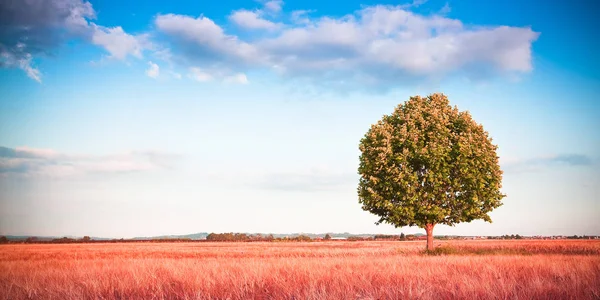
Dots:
(523, 269)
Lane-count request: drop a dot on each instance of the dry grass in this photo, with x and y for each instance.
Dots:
(324, 270)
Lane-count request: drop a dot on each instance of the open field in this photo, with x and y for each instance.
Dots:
(317, 270)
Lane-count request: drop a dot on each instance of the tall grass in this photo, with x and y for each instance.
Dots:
(325, 270)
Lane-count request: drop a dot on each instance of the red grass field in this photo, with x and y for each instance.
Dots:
(318, 270)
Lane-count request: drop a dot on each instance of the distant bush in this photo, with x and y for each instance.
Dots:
(386, 237)
(31, 239)
(302, 238)
(64, 240)
(238, 237)
(359, 238)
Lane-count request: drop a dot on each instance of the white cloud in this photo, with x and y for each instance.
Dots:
(205, 75)
(32, 72)
(239, 78)
(415, 3)
(205, 39)
(273, 6)
(301, 16)
(446, 9)
(23, 62)
(308, 180)
(119, 43)
(153, 71)
(199, 75)
(252, 20)
(36, 152)
(377, 46)
(163, 54)
(32, 162)
(31, 28)
(538, 163)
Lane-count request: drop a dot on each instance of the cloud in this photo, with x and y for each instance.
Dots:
(31, 162)
(252, 20)
(539, 163)
(199, 75)
(33, 28)
(300, 16)
(153, 71)
(206, 75)
(30, 28)
(273, 6)
(204, 41)
(239, 78)
(415, 3)
(570, 159)
(446, 9)
(375, 47)
(24, 62)
(306, 181)
(118, 43)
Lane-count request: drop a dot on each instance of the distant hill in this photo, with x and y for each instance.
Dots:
(193, 236)
(49, 238)
(24, 237)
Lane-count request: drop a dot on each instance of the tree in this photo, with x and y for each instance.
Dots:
(428, 163)
(327, 237)
(402, 236)
(303, 238)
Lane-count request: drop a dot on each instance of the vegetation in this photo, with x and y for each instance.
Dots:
(243, 237)
(426, 164)
(517, 269)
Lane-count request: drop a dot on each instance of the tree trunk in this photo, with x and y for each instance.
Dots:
(429, 230)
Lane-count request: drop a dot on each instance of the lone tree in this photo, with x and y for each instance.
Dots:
(428, 163)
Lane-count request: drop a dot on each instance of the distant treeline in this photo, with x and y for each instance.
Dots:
(243, 237)
(85, 239)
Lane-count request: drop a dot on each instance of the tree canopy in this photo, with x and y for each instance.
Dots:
(428, 163)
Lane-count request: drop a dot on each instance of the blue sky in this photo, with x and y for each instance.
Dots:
(151, 118)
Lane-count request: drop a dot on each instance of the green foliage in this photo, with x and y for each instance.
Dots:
(358, 238)
(385, 237)
(64, 240)
(302, 238)
(238, 237)
(227, 237)
(428, 163)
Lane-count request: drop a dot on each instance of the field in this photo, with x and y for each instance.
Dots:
(317, 270)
